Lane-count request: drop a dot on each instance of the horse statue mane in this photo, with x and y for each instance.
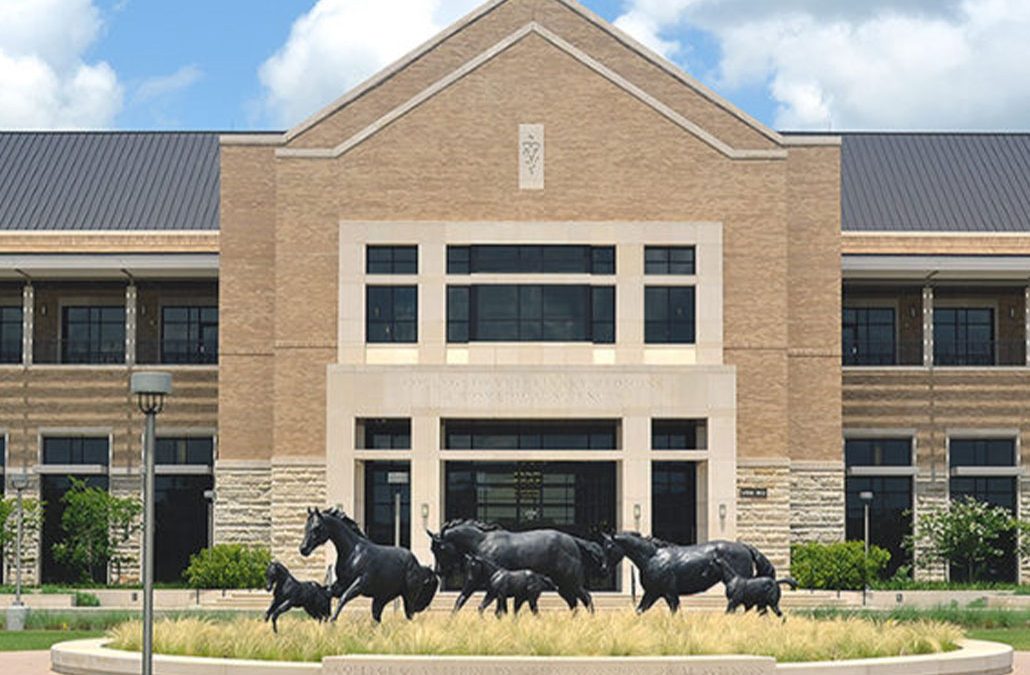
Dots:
(346, 520)
(478, 524)
(658, 543)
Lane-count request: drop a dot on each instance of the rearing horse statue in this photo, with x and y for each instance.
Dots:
(369, 569)
(559, 556)
(670, 570)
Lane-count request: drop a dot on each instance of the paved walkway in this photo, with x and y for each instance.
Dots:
(38, 663)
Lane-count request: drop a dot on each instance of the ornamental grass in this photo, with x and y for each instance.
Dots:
(623, 633)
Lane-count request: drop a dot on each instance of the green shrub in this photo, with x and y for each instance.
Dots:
(84, 599)
(839, 566)
(228, 566)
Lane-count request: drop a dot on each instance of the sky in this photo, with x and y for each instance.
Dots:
(268, 64)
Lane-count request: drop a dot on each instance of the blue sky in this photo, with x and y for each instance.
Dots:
(267, 64)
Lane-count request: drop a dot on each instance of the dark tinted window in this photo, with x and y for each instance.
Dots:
(878, 452)
(391, 314)
(674, 501)
(386, 434)
(10, 334)
(391, 260)
(669, 315)
(996, 491)
(75, 450)
(669, 260)
(530, 435)
(380, 500)
(189, 335)
(678, 435)
(529, 259)
(185, 450)
(530, 313)
(868, 336)
(94, 335)
(890, 515)
(963, 336)
(982, 452)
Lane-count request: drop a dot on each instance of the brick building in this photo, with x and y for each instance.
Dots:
(531, 273)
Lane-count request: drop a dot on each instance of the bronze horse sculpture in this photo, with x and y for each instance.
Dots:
(369, 569)
(561, 557)
(669, 570)
(500, 584)
(287, 593)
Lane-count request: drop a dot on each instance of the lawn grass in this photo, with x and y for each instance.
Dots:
(551, 634)
(33, 640)
(1017, 638)
(104, 619)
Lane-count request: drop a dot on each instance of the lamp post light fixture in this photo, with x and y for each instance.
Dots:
(867, 498)
(17, 612)
(150, 389)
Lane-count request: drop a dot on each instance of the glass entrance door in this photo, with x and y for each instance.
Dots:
(384, 481)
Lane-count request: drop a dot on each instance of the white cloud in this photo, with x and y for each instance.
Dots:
(157, 87)
(883, 64)
(44, 81)
(340, 43)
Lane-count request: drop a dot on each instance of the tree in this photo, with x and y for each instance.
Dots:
(32, 516)
(966, 534)
(95, 524)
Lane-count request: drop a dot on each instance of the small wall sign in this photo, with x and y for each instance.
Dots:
(754, 493)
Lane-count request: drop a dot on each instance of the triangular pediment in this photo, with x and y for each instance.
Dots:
(491, 31)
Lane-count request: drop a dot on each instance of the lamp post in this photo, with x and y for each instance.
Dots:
(150, 390)
(17, 612)
(867, 498)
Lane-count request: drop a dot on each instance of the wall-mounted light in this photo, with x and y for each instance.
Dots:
(722, 511)
(425, 510)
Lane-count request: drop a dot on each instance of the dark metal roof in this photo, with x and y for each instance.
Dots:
(937, 182)
(109, 181)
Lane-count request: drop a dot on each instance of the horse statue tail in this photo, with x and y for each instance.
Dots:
(422, 585)
(789, 581)
(763, 568)
(592, 554)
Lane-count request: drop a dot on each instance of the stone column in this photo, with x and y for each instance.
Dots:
(297, 483)
(129, 552)
(765, 522)
(930, 495)
(426, 484)
(635, 484)
(817, 501)
(130, 324)
(928, 326)
(28, 322)
(30, 540)
(243, 502)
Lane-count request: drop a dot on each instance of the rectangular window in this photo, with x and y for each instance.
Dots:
(382, 488)
(890, 514)
(391, 314)
(384, 434)
(981, 452)
(868, 336)
(189, 335)
(878, 452)
(531, 259)
(679, 435)
(670, 260)
(67, 450)
(10, 334)
(195, 450)
(391, 260)
(531, 434)
(669, 315)
(531, 313)
(93, 335)
(963, 336)
(674, 501)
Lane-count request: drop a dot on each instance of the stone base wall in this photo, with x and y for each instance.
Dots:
(243, 503)
(817, 501)
(765, 523)
(295, 487)
(929, 496)
(30, 542)
(129, 552)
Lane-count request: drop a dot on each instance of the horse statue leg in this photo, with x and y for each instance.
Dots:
(584, 596)
(673, 601)
(648, 599)
(378, 604)
(281, 609)
(352, 592)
